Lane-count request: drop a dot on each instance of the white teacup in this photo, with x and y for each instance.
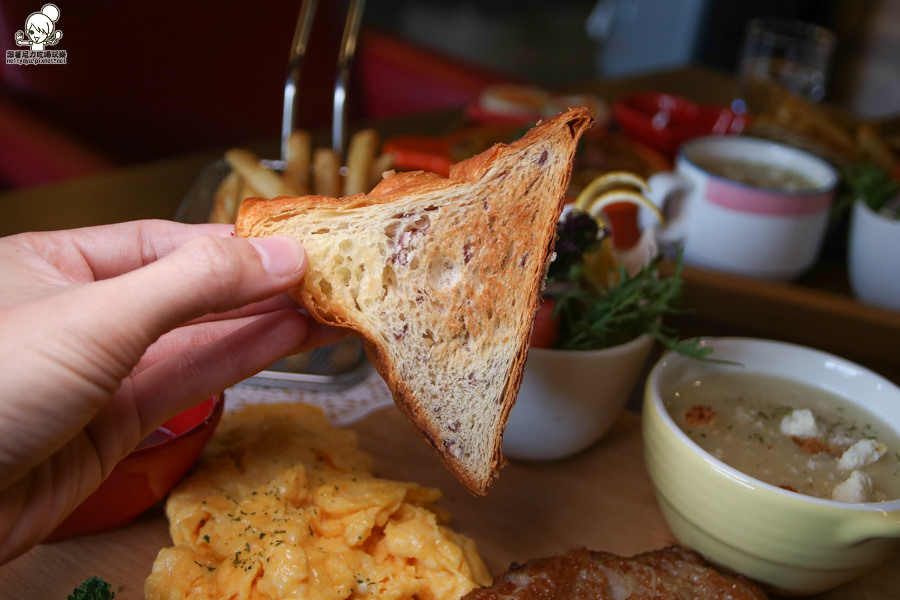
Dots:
(745, 205)
(872, 257)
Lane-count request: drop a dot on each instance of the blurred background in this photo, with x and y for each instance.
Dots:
(148, 81)
(557, 42)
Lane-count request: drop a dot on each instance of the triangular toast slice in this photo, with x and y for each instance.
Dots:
(441, 278)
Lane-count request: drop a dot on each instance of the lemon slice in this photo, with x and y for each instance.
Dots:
(614, 196)
(609, 181)
(600, 271)
(611, 188)
(601, 268)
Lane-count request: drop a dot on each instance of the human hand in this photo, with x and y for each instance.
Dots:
(109, 331)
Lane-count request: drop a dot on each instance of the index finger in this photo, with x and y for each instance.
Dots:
(111, 250)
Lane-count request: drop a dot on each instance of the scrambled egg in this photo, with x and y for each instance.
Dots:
(282, 505)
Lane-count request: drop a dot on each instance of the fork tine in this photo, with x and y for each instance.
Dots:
(295, 67)
(345, 60)
(342, 78)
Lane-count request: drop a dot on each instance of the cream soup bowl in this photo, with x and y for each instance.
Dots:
(737, 227)
(792, 543)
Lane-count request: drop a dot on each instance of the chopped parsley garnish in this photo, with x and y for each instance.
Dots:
(93, 588)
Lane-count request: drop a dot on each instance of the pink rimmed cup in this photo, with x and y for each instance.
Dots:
(746, 206)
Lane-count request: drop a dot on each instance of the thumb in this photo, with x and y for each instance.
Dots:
(115, 320)
(207, 274)
(76, 346)
(210, 274)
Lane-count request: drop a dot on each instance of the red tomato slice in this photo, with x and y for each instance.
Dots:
(546, 326)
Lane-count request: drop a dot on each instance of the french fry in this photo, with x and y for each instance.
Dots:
(227, 199)
(306, 171)
(381, 164)
(326, 173)
(247, 191)
(360, 156)
(297, 162)
(813, 122)
(259, 177)
(874, 147)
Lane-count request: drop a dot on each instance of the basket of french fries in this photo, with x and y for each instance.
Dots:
(822, 130)
(219, 190)
(302, 170)
(223, 185)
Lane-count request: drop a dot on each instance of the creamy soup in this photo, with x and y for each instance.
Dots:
(757, 174)
(791, 435)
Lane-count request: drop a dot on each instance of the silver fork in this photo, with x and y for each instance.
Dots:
(345, 60)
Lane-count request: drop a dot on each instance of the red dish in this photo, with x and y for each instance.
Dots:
(522, 105)
(438, 153)
(147, 474)
(664, 121)
(599, 152)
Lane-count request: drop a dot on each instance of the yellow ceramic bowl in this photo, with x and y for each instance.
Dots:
(792, 543)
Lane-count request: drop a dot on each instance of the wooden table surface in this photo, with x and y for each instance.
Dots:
(601, 499)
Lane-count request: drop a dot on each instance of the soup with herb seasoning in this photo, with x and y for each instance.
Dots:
(758, 174)
(791, 435)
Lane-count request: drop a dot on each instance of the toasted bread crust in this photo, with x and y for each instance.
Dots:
(463, 258)
(671, 573)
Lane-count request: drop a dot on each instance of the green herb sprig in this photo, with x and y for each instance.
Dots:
(635, 305)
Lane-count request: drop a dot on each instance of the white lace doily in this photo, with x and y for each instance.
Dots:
(342, 407)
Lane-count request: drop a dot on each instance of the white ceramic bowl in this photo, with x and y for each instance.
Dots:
(872, 257)
(570, 398)
(794, 544)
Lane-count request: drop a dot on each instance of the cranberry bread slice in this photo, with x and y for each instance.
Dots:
(440, 277)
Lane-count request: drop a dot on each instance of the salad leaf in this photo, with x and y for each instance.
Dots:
(866, 182)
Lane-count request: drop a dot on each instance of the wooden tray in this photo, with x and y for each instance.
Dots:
(601, 499)
(817, 311)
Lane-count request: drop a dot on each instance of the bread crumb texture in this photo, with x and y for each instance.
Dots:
(441, 279)
(446, 305)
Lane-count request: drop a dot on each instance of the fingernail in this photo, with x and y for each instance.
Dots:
(280, 255)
